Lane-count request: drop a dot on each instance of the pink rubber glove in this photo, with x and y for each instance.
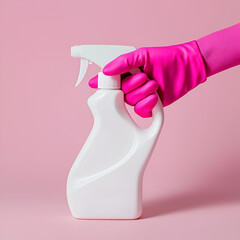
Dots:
(173, 71)
(221, 50)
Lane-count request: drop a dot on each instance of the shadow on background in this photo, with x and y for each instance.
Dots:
(222, 187)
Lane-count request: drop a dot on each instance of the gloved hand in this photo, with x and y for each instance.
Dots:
(171, 71)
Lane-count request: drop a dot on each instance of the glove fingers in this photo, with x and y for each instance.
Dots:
(141, 92)
(129, 83)
(93, 83)
(125, 63)
(144, 107)
(134, 81)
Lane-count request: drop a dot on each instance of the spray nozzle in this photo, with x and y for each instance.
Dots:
(100, 55)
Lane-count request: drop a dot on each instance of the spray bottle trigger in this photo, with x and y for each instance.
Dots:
(83, 70)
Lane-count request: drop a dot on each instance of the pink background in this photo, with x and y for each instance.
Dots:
(191, 186)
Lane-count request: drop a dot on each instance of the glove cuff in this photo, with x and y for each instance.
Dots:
(221, 50)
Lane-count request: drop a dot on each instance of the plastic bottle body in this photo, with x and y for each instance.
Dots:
(105, 181)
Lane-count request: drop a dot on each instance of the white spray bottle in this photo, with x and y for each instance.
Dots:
(105, 181)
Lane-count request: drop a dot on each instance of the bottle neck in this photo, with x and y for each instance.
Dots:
(109, 82)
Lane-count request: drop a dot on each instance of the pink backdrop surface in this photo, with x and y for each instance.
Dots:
(191, 185)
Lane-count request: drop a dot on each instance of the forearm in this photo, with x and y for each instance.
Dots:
(221, 50)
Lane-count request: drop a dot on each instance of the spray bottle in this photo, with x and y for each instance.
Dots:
(105, 181)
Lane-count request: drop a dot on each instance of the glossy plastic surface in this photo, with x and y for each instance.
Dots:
(105, 181)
